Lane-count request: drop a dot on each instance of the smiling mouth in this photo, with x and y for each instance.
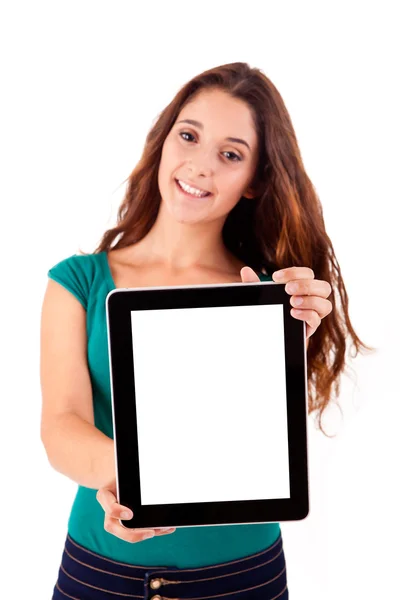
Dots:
(191, 191)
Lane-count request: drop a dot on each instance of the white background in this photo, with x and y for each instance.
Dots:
(82, 82)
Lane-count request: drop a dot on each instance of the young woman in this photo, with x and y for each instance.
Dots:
(220, 195)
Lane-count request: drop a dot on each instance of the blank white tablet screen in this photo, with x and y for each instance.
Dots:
(211, 404)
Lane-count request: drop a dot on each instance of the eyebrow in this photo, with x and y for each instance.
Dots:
(200, 126)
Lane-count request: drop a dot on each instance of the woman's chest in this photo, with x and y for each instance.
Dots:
(133, 277)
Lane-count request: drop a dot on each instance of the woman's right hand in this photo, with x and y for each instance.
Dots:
(107, 498)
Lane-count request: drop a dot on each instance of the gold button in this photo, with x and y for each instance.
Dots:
(155, 584)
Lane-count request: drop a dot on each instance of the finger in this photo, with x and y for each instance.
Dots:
(165, 531)
(129, 535)
(248, 275)
(284, 275)
(311, 318)
(109, 503)
(308, 287)
(133, 535)
(320, 305)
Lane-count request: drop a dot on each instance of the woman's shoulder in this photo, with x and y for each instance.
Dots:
(84, 264)
(78, 273)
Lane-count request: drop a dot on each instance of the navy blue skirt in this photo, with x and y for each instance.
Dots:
(85, 575)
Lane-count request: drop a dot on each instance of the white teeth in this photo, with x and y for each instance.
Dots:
(191, 190)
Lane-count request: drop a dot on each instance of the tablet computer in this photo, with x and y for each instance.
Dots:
(209, 404)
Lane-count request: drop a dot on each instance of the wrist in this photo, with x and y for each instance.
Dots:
(104, 465)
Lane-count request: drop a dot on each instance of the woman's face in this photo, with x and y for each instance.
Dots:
(200, 154)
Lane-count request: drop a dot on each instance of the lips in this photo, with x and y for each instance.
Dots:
(192, 195)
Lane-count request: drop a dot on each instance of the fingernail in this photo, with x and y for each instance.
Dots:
(148, 536)
(126, 515)
(279, 275)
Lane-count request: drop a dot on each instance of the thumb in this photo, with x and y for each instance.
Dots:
(248, 275)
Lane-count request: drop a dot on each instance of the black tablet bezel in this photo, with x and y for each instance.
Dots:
(119, 304)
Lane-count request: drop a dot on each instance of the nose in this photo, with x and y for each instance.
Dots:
(197, 171)
(201, 165)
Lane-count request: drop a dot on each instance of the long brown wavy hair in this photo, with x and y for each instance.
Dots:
(282, 227)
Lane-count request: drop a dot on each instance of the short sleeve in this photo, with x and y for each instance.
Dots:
(74, 274)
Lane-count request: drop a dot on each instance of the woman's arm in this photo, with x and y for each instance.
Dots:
(74, 446)
(79, 450)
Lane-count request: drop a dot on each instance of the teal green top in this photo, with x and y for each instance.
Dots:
(89, 279)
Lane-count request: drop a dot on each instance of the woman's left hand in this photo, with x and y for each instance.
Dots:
(309, 294)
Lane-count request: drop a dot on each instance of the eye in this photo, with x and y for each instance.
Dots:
(186, 133)
(235, 159)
